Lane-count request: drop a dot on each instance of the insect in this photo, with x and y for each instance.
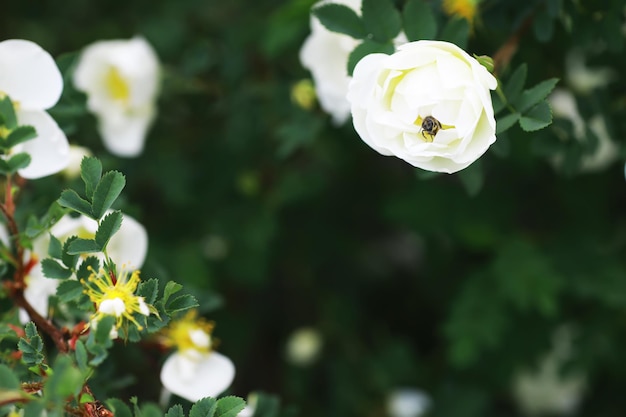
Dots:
(430, 126)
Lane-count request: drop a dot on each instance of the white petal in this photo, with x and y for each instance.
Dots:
(114, 307)
(143, 307)
(38, 290)
(50, 150)
(125, 134)
(408, 402)
(130, 244)
(194, 380)
(29, 75)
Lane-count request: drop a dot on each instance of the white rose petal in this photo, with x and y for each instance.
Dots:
(191, 379)
(389, 94)
(121, 80)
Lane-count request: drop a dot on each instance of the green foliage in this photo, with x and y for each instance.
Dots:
(341, 19)
(382, 20)
(419, 20)
(8, 379)
(365, 48)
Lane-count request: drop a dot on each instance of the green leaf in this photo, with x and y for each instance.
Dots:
(365, 48)
(181, 303)
(456, 31)
(171, 288)
(473, 178)
(69, 290)
(543, 27)
(419, 21)
(53, 269)
(90, 172)
(87, 267)
(8, 113)
(81, 356)
(118, 408)
(31, 346)
(65, 380)
(205, 407)
(106, 192)
(151, 410)
(8, 380)
(381, 19)
(148, 290)
(534, 95)
(55, 249)
(19, 135)
(515, 84)
(18, 161)
(110, 224)
(80, 246)
(68, 259)
(4, 167)
(341, 19)
(229, 406)
(537, 118)
(71, 199)
(30, 330)
(175, 411)
(103, 332)
(506, 122)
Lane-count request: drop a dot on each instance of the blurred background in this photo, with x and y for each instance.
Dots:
(337, 276)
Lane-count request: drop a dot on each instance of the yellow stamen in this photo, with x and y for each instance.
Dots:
(190, 332)
(463, 8)
(116, 85)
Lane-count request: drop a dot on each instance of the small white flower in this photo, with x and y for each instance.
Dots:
(194, 378)
(428, 104)
(31, 79)
(326, 54)
(304, 346)
(121, 80)
(408, 402)
(129, 245)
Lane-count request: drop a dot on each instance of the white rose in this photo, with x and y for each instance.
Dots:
(394, 98)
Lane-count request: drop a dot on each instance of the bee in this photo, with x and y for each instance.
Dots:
(430, 126)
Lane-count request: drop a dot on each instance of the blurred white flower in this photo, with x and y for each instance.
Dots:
(428, 103)
(408, 402)
(546, 390)
(582, 78)
(128, 246)
(194, 371)
(121, 79)
(326, 54)
(303, 346)
(77, 153)
(563, 104)
(31, 79)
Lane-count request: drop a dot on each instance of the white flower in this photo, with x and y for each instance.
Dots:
(326, 54)
(31, 79)
(304, 346)
(584, 79)
(407, 402)
(563, 104)
(121, 80)
(128, 246)
(428, 104)
(193, 378)
(547, 390)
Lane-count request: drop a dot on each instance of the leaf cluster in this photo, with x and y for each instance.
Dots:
(11, 135)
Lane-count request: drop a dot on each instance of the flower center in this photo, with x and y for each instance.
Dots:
(190, 334)
(116, 85)
(463, 8)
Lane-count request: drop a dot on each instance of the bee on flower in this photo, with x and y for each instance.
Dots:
(115, 296)
(195, 370)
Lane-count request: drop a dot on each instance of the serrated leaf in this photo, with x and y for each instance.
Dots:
(365, 48)
(80, 246)
(68, 259)
(118, 408)
(30, 330)
(341, 19)
(71, 199)
(456, 31)
(535, 94)
(106, 192)
(110, 224)
(419, 21)
(148, 290)
(8, 113)
(229, 406)
(515, 84)
(87, 267)
(18, 161)
(90, 172)
(8, 380)
(151, 410)
(53, 269)
(537, 118)
(69, 290)
(181, 303)
(203, 408)
(382, 19)
(171, 288)
(55, 248)
(19, 135)
(506, 122)
(175, 411)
